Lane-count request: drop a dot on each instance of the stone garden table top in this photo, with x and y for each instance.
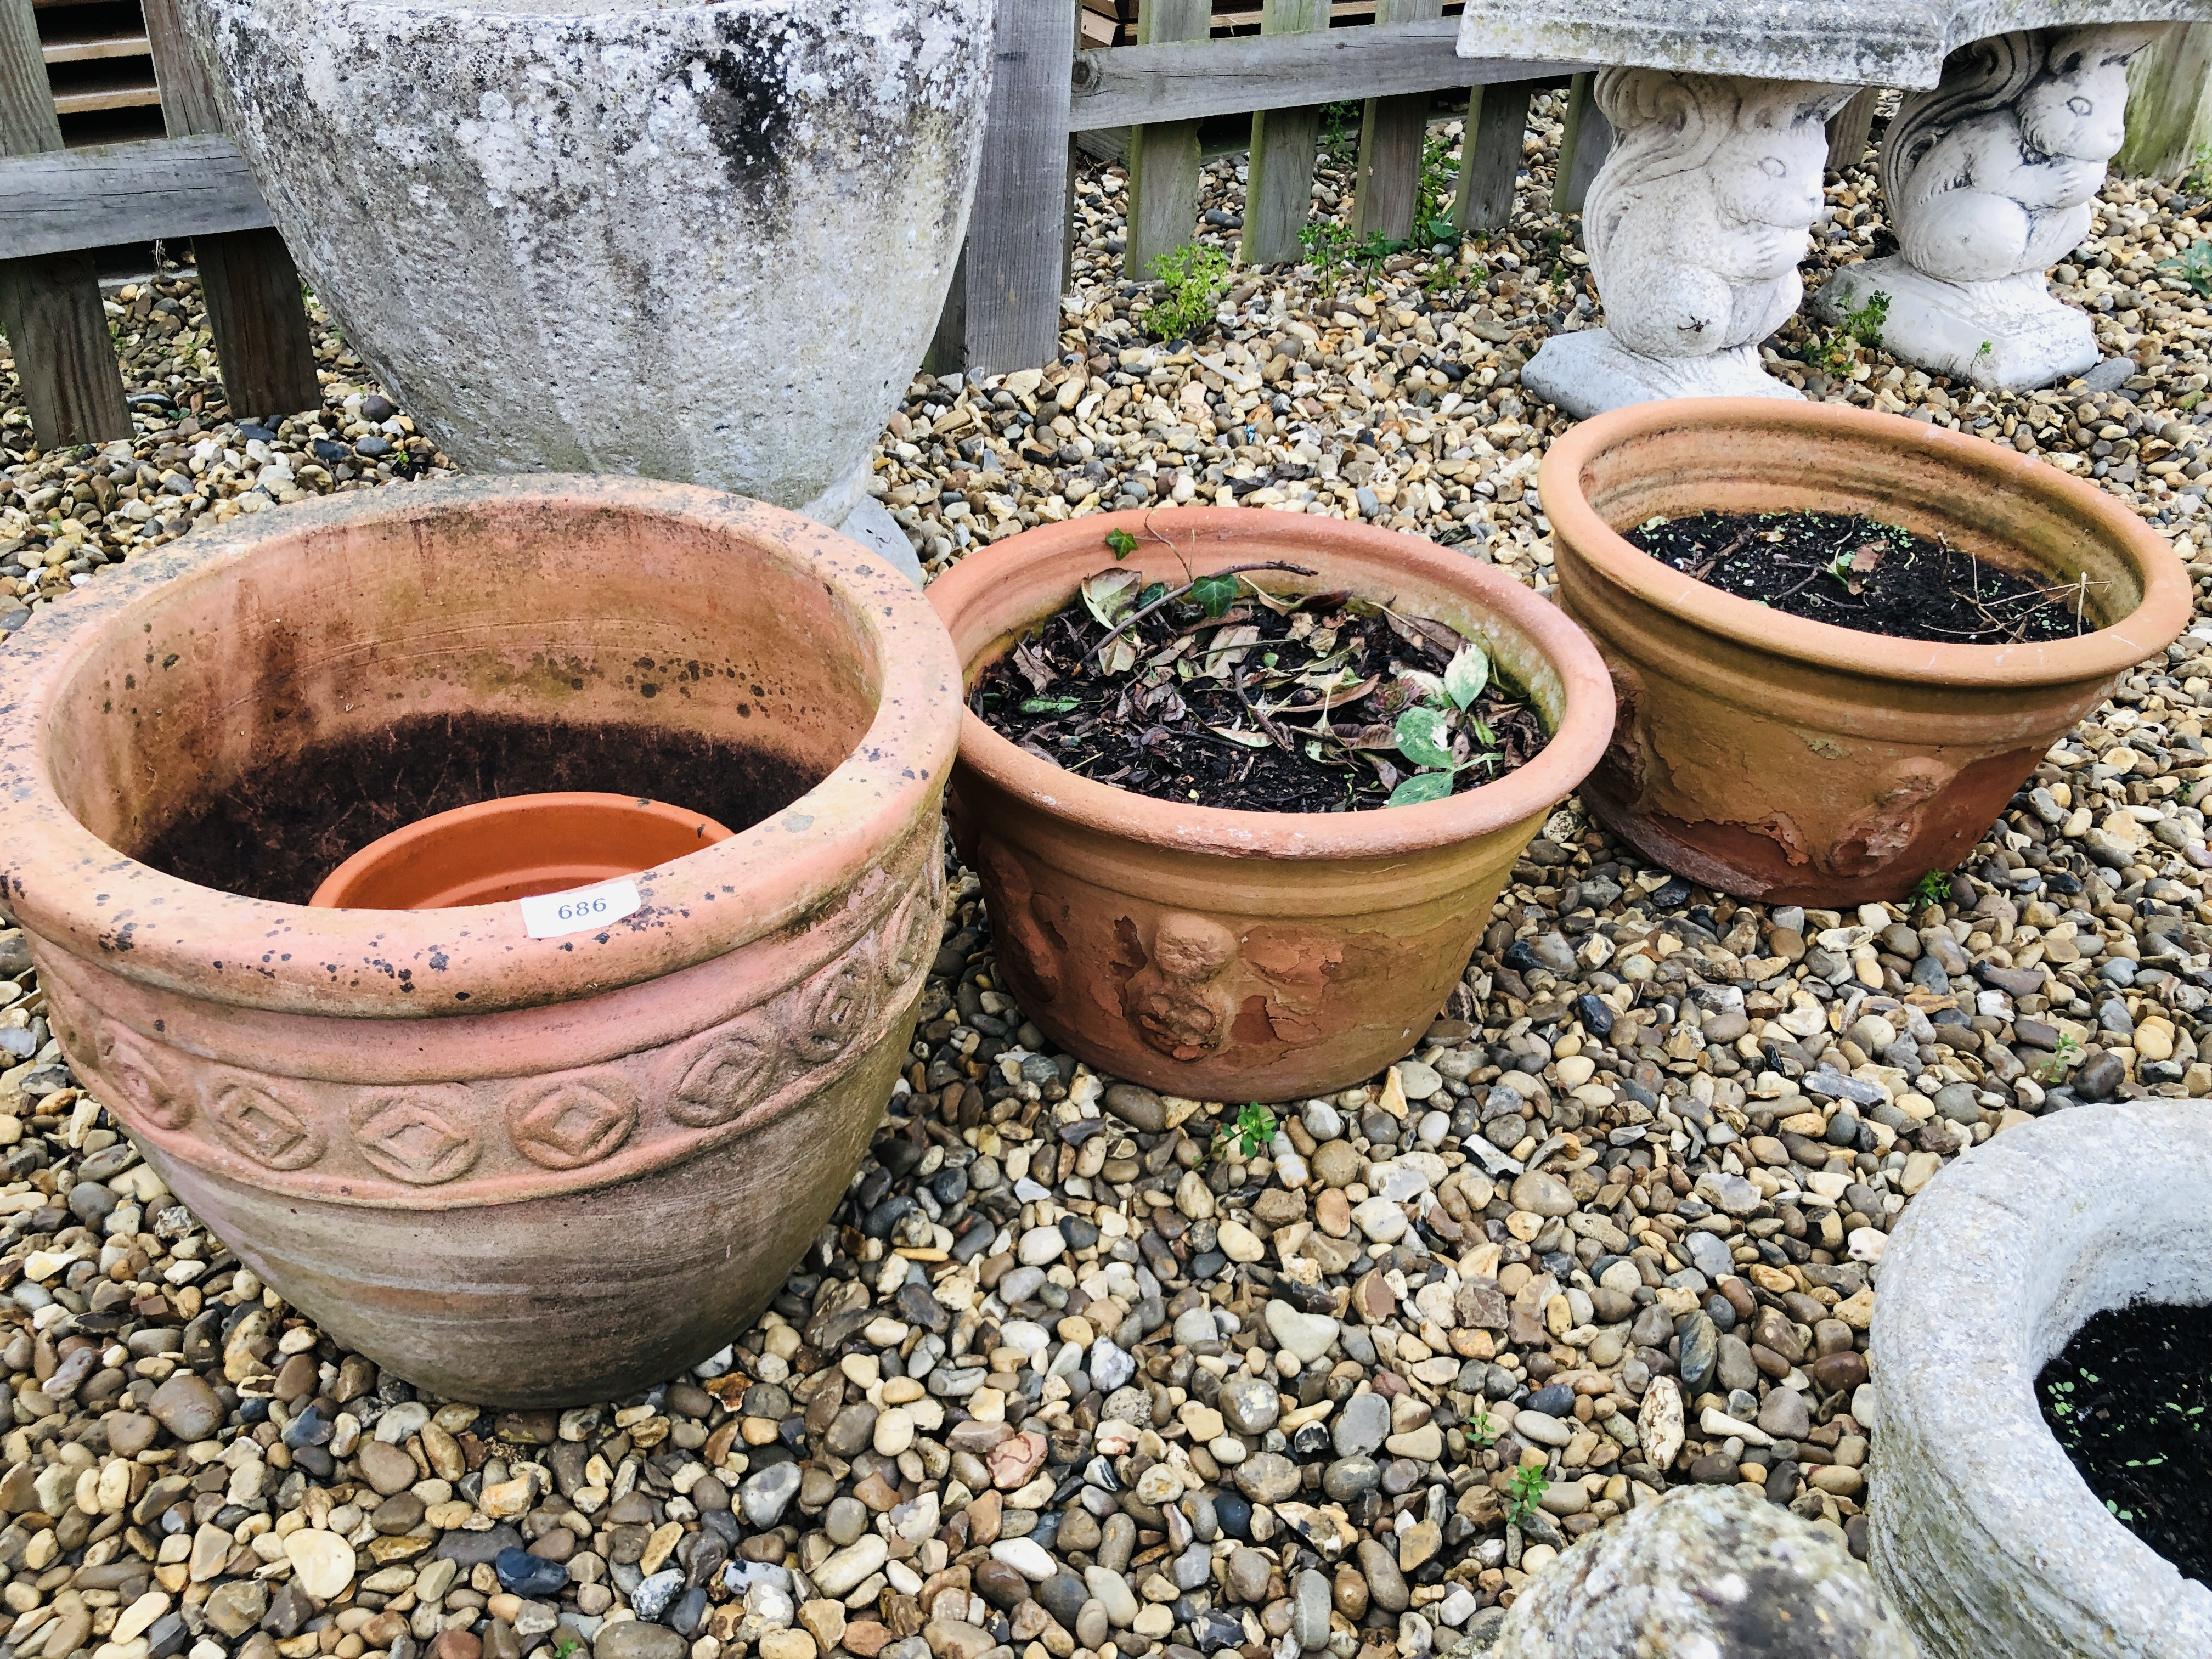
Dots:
(1876, 43)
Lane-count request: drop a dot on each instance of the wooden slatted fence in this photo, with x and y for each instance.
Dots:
(1193, 61)
(56, 204)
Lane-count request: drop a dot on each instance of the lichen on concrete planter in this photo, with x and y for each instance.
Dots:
(515, 1169)
(1982, 1530)
(704, 242)
(1712, 1571)
(1780, 758)
(1233, 955)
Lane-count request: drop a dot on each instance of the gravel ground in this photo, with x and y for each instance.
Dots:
(1078, 1370)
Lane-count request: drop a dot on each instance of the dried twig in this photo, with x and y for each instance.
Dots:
(1236, 683)
(1136, 616)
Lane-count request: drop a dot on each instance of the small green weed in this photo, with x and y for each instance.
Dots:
(2061, 1060)
(1196, 277)
(1253, 1130)
(1933, 888)
(2199, 177)
(2193, 268)
(1839, 354)
(1528, 1491)
(1432, 196)
(1340, 124)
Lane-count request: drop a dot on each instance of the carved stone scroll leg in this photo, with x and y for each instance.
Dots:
(1989, 179)
(1694, 227)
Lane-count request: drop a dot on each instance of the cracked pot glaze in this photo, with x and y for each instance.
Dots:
(704, 242)
(1783, 759)
(518, 1170)
(1242, 956)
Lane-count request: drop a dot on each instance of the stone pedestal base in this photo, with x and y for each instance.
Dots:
(2009, 335)
(870, 525)
(1588, 372)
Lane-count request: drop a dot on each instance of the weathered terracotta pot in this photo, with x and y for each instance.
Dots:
(1248, 956)
(517, 1170)
(1792, 761)
(517, 847)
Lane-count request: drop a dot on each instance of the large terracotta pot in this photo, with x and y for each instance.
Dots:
(1248, 956)
(704, 241)
(519, 1171)
(1777, 758)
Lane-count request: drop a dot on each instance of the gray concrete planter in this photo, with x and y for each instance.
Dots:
(1983, 1532)
(704, 242)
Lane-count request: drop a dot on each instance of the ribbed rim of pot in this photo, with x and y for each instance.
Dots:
(985, 584)
(68, 887)
(2153, 625)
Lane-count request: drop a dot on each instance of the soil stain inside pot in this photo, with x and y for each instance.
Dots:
(2131, 1399)
(291, 821)
(1217, 693)
(1858, 573)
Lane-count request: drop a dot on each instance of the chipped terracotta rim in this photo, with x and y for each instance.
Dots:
(1980, 465)
(994, 592)
(71, 889)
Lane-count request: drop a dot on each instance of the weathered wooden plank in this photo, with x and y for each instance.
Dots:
(260, 323)
(252, 289)
(1848, 130)
(1163, 162)
(1195, 79)
(1012, 268)
(27, 123)
(2169, 105)
(121, 89)
(51, 315)
(50, 306)
(1490, 155)
(1586, 141)
(188, 106)
(92, 48)
(1278, 182)
(1391, 133)
(99, 196)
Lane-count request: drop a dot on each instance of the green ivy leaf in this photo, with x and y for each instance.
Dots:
(1467, 675)
(1120, 543)
(1051, 705)
(1422, 787)
(1423, 737)
(1214, 594)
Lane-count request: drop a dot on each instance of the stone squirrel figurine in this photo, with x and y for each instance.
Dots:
(1993, 173)
(1697, 222)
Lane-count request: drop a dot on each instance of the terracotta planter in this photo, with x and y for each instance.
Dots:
(1248, 956)
(514, 848)
(519, 1171)
(1792, 761)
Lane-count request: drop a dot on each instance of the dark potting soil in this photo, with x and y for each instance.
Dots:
(291, 822)
(1858, 573)
(2131, 1399)
(1231, 697)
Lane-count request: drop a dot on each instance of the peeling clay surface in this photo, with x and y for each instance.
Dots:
(698, 243)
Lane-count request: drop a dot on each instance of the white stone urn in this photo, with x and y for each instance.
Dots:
(702, 242)
(1983, 1531)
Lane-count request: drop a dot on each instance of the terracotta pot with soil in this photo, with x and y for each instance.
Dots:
(1226, 953)
(1785, 758)
(526, 1163)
